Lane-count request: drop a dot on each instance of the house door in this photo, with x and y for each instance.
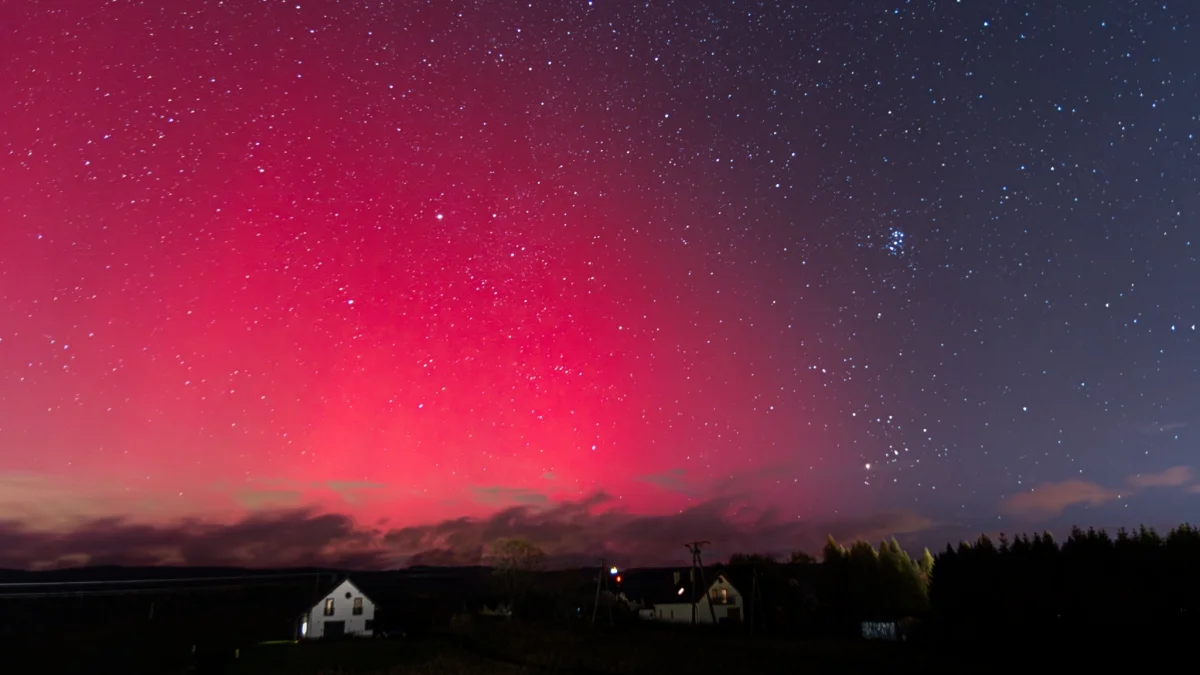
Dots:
(335, 628)
(734, 614)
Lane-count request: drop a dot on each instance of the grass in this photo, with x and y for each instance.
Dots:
(371, 657)
(163, 647)
(511, 649)
(514, 649)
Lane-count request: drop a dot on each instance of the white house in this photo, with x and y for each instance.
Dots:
(342, 611)
(725, 601)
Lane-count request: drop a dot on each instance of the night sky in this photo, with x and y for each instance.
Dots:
(351, 281)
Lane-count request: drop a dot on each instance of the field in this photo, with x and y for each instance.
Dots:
(575, 649)
(172, 629)
(483, 647)
(514, 649)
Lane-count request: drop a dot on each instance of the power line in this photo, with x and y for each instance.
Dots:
(125, 592)
(113, 582)
(602, 580)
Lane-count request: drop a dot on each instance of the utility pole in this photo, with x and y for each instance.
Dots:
(755, 599)
(599, 580)
(698, 566)
(602, 581)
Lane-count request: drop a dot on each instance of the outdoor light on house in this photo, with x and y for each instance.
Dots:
(613, 570)
(343, 610)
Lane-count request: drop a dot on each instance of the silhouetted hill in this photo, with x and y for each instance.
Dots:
(118, 573)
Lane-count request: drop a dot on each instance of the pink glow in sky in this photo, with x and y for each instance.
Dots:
(286, 257)
(356, 281)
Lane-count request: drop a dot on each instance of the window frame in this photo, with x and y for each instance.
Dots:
(357, 607)
(329, 607)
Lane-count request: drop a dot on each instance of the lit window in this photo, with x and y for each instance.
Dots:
(724, 596)
(358, 605)
(328, 606)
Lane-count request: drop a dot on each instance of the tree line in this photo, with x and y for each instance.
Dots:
(1091, 581)
(833, 596)
(1030, 585)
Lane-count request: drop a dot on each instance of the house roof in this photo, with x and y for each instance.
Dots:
(364, 588)
(660, 586)
(400, 588)
(657, 586)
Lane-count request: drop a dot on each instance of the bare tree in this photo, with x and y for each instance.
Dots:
(515, 562)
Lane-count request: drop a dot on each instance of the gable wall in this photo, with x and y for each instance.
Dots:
(735, 598)
(343, 610)
(681, 612)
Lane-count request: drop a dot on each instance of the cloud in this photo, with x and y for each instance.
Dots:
(572, 533)
(448, 557)
(1175, 476)
(744, 482)
(671, 479)
(260, 499)
(895, 524)
(1050, 499)
(495, 495)
(27, 494)
(276, 539)
(50, 501)
(576, 533)
(354, 491)
(281, 493)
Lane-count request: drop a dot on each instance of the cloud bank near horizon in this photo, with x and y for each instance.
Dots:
(572, 533)
(1050, 499)
(289, 533)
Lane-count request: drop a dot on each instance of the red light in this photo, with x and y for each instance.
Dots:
(618, 578)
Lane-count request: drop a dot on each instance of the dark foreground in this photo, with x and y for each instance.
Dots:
(514, 648)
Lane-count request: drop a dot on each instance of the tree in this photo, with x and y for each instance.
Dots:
(890, 573)
(1136, 580)
(833, 551)
(517, 555)
(903, 591)
(926, 566)
(983, 546)
(834, 589)
(801, 558)
(515, 562)
(865, 582)
(752, 559)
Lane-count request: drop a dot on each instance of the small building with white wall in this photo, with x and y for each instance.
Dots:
(674, 604)
(345, 610)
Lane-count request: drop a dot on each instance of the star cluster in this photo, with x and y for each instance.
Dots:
(836, 256)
